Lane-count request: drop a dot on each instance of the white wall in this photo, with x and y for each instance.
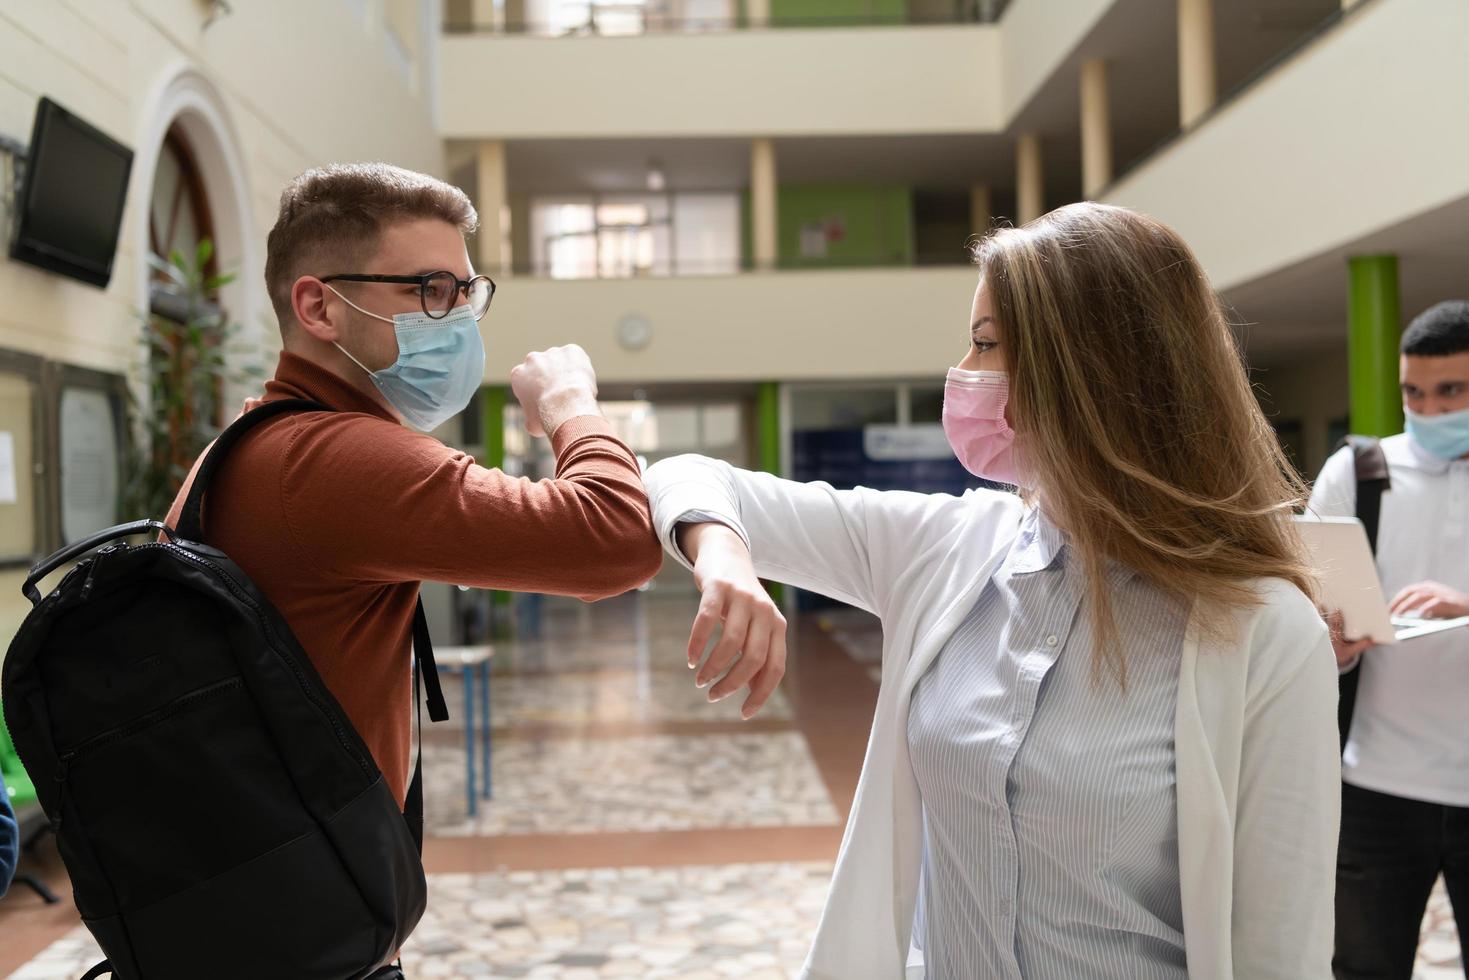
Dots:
(853, 80)
(1358, 132)
(265, 92)
(869, 323)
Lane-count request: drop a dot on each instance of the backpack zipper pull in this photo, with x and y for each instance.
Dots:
(62, 767)
(94, 563)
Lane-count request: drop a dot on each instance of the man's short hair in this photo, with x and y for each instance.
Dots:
(332, 218)
(1439, 330)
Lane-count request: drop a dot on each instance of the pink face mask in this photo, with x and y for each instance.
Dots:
(974, 421)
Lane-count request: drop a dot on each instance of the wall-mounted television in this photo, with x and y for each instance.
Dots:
(71, 198)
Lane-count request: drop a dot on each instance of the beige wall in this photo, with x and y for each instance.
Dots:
(1038, 37)
(1313, 391)
(265, 92)
(850, 80)
(747, 83)
(843, 323)
(1349, 137)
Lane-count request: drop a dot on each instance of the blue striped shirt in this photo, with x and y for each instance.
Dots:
(1050, 815)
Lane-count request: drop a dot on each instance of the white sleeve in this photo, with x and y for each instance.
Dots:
(1335, 491)
(847, 544)
(1288, 815)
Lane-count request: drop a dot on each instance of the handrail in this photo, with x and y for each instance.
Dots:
(621, 18)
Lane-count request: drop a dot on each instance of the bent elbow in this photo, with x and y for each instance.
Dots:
(625, 562)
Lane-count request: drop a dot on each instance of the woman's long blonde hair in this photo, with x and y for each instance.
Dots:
(1134, 417)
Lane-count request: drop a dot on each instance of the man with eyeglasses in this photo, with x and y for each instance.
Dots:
(339, 516)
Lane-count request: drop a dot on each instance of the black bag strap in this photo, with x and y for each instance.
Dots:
(191, 524)
(103, 969)
(426, 672)
(1373, 480)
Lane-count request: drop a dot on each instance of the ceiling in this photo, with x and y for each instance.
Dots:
(1302, 309)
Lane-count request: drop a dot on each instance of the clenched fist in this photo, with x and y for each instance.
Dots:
(555, 385)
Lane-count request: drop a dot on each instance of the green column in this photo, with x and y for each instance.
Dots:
(767, 435)
(492, 424)
(492, 430)
(767, 422)
(1373, 334)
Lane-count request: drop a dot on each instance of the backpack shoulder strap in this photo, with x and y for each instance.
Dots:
(1372, 481)
(425, 670)
(191, 523)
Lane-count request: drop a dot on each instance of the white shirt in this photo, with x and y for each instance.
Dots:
(1049, 804)
(1255, 741)
(1409, 734)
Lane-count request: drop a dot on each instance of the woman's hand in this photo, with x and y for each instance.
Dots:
(1347, 651)
(752, 642)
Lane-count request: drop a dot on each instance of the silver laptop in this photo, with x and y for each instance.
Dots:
(1343, 561)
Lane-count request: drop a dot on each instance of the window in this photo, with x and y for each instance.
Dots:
(832, 407)
(706, 234)
(624, 236)
(624, 17)
(178, 216)
(927, 404)
(633, 237)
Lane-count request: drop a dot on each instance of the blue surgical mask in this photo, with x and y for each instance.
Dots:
(441, 364)
(1445, 436)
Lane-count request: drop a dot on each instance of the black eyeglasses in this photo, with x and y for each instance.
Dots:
(438, 292)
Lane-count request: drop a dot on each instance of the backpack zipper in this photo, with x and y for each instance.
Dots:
(277, 645)
(143, 722)
(65, 760)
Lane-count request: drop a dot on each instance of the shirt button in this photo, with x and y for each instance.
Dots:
(1052, 640)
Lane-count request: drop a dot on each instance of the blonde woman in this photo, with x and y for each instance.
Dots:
(1105, 742)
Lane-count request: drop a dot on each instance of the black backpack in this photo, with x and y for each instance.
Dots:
(1372, 482)
(218, 813)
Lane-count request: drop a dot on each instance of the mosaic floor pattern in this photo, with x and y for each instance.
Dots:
(661, 782)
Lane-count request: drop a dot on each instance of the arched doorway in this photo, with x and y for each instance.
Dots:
(178, 212)
(202, 319)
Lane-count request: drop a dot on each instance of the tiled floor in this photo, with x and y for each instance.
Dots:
(652, 835)
(693, 923)
(1440, 958)
(639, 783)
(751, 921)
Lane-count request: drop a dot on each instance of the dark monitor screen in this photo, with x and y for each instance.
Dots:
(71, 204)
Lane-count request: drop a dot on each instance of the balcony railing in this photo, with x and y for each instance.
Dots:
(622, 18)
(685, 269)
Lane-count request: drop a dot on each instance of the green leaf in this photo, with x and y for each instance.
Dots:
(203, 252)
(167, 269)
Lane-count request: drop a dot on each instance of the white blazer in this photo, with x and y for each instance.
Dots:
(1255, 738)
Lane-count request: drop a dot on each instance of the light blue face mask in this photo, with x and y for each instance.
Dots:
(1445, 436)
(441, 363)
